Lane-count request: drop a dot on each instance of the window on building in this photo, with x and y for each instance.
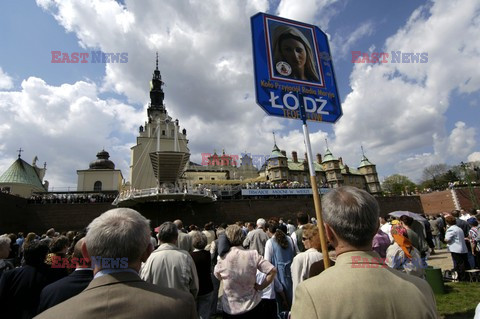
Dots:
(212, 178)
(173, 133)
(97, 186)
(277, 174)
(200, 178)
(163, 132)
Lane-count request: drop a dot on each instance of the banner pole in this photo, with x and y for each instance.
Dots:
(316, 197)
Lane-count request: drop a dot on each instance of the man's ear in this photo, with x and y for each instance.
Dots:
(330, 233)
(85, 253)
(146, 253)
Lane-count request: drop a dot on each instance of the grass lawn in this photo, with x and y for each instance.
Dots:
(459, 301)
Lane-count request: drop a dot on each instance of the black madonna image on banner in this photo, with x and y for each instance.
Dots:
(293, 55)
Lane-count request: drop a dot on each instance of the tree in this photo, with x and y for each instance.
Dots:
(398, 185)
(433, 176)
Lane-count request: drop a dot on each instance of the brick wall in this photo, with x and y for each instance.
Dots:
(38, 218)
(443, 201)
(63, 217)
(393, 203)
(13, 213)
(436, 202)
(464, 197)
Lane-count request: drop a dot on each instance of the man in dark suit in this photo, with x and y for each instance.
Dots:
(117, 242)
(69, 286)
(20, 287)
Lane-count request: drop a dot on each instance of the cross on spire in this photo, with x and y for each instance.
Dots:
(157, 62)
(274, 140)
(20, 152)
(363, 153)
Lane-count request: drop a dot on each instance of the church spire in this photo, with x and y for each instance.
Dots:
(156, 106)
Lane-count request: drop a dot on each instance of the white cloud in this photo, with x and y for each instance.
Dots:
(317, 12)
(474, 157)
(461, 141)
(452, 149)
(6, 81)
(341, 45)
(397, 111)
(63, 125)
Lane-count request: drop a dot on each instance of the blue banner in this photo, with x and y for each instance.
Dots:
(281, 191)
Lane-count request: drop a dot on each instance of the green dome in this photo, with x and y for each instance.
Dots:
(328, 156)
(365, 162)
(20, 172)
(276, 153)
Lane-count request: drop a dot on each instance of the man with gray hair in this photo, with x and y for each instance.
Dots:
(170, 266)
(373, 290)
(117, 242)
(256, 239)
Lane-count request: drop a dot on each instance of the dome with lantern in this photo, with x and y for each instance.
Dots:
(102, 161)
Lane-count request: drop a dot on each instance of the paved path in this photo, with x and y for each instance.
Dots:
(442, 259)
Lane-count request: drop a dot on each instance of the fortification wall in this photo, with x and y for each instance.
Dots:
(18, 215)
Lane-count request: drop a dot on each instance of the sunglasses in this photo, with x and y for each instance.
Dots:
(305, 238)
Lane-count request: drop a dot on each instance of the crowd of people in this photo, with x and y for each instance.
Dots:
(71, 198)
(271, 185)
(118, 267)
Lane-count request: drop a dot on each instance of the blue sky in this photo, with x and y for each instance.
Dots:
(406, 116)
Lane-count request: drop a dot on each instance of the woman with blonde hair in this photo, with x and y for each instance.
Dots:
(290, 46)
(303, 261)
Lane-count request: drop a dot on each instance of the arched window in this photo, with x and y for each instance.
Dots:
(97, 186)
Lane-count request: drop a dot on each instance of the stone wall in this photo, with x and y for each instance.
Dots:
(13, 213)
(20, 216)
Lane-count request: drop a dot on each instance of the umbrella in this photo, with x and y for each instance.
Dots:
(400, 213)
